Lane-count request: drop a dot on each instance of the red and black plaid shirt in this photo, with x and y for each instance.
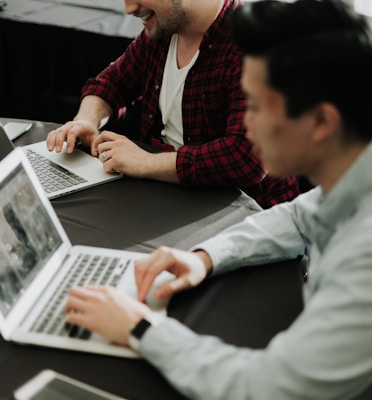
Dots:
(215, 151)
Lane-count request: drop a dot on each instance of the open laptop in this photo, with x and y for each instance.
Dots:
(60, 173)
(38, 264)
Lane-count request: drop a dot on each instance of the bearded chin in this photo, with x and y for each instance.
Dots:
(176, 26)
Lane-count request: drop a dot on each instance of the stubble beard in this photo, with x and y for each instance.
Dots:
(175, 23)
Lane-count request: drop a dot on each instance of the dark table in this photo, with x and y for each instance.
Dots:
(141, 215)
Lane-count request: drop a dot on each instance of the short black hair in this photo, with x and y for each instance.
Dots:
(316, 51)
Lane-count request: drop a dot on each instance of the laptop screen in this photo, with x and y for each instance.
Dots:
(28, 237)
(6, 145)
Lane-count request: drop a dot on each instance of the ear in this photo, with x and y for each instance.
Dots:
(327, 120)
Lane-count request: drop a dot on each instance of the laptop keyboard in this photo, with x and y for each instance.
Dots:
(52, 176)
(87, 270)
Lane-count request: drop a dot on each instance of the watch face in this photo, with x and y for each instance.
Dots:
(139, 330)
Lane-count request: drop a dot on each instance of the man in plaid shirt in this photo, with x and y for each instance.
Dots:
(186, 72)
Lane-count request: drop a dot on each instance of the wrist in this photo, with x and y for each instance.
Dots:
(141, 328)
(162, 166)
(207, 261)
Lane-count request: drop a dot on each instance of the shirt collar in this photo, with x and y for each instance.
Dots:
(219, 29)
(343, 200)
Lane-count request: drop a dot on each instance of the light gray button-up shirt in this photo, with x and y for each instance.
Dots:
(327, 352)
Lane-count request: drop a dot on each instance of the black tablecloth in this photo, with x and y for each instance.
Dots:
(246, 307)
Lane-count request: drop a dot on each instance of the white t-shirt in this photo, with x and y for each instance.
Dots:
(171, 94)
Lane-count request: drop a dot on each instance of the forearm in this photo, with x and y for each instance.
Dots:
(162, 167)
(203, 367)
(95, 110)
(303, 362)
(225, 162)
(270, 235)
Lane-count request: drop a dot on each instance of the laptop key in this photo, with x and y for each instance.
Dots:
(85, 334)
(52, 176)
(87, 270)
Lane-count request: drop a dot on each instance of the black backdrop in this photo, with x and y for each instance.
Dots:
(43, 67)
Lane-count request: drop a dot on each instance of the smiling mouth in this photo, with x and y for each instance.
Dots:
(145, 18)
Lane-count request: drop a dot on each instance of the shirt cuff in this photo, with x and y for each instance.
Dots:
(153, 319)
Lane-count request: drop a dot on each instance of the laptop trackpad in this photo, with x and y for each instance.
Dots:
(129, 287)
(75, 159)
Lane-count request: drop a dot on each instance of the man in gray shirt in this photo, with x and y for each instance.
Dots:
(308, 80)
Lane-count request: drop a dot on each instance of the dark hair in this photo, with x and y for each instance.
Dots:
(316, 51)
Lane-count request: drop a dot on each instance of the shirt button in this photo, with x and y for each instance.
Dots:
(151, 116)
(157, 87)
(210, 46)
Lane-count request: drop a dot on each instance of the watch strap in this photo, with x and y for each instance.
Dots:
(138, 331)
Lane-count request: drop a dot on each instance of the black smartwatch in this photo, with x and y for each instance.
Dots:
(140, 329)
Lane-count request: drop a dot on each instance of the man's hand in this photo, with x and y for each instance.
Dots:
(84, 130)
(189, 269)
(93, 113)
(120, 154)
(105, 310)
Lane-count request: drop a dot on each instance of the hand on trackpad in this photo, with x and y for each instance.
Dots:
(154, 303)
(159, 305)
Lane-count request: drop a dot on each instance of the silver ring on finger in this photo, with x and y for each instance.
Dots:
(104, 156)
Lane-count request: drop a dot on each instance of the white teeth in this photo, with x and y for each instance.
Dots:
(146, 17)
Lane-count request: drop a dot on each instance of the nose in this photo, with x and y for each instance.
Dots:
(130, 6)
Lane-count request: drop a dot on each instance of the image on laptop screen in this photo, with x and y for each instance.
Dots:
(27, 237)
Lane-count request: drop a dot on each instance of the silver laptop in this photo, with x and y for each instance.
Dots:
(60, 173)
(38, 265)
